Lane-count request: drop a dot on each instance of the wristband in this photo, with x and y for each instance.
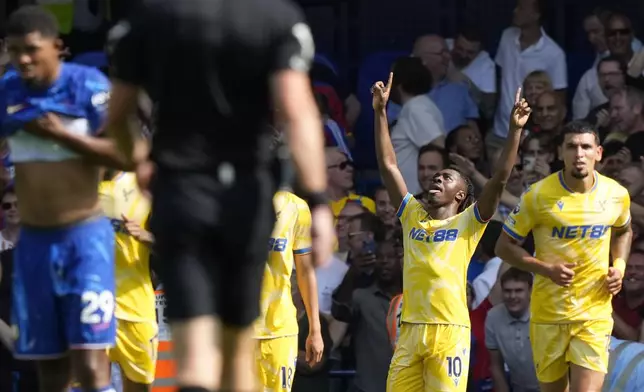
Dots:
(619, 264)
(315, 199)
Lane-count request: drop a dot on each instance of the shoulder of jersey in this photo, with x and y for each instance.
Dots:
(10, 79)
(610, 182)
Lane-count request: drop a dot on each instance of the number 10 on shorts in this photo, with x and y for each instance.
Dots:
(454, 366)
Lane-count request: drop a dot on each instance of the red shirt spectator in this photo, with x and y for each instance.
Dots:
(481, 374)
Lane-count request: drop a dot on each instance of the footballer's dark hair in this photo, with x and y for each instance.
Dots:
(31, 19)
(579, 127)
(469, 191)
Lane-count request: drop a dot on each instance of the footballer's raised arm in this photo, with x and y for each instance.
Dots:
(387, 165)
(492, 192)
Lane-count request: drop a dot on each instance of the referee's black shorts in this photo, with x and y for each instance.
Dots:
(211, 242)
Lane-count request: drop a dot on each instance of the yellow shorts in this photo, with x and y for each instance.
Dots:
(136, 350)
(430, 358)
(276, 360)
(583, 343)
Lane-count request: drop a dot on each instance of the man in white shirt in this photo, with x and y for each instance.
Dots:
(589, 93)
(471, 62)
(524, 47)
(420, 122)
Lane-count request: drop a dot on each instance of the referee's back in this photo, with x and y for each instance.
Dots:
(206, 64)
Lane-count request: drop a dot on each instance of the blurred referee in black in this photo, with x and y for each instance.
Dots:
(215, 69)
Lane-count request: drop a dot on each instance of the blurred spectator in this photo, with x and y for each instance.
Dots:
(420, 122)
(524, 47)
(628, 305)
(472, 64)
(364, 231)
(538, 147)
(627, 111)
(339, 170)
(513, 189)
(589, 93)
(344, 106)
(351, 209)
(626, 367)
(334, 134)
(452, 99)
(480, 371)
(316, 378)
(431, 160)
(536, 83)
(367, 315)
(611, 73)
(507, 335)
(9, 235)
(482, 284)
(384, 209)
(619, 37)
(15, 375)
(631, 176)
(467, 142)
(549, 114)
(614, 158)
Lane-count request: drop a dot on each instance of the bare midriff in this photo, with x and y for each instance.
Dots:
(54, 194)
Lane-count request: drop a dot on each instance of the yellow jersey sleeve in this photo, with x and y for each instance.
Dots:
(624, 217)
(302, 230)
(522, 219)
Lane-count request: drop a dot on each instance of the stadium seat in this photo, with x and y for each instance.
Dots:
(91, 59)
(373, 68)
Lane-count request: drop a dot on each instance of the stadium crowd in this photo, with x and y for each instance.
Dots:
(451, 107)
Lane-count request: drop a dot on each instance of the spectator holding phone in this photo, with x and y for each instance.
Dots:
(364, 230)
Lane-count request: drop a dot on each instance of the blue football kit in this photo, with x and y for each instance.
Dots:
(63, 284)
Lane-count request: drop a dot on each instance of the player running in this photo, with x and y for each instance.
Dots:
(579, 219)
(432, 353)
(63, 301)
(136, 335)
(277, 329)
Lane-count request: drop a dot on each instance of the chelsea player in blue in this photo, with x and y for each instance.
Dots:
(51, 114)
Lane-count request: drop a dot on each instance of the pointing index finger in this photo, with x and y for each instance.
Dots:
(389, 81)
(517, 98)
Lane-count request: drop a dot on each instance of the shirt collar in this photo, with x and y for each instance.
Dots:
(525, 317)
(537, 46)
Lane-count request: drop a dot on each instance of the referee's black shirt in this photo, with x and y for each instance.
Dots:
(207, 64)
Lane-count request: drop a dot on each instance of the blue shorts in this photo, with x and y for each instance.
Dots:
(63, 289)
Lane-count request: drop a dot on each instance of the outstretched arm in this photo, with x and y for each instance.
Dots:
(387, 164)
(493, 191)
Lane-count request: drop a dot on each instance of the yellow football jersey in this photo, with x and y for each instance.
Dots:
(291, 236)
(574, 228)
(134, 292)
(437, 254)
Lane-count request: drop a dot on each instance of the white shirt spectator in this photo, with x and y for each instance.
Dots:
(5, 244)
(481, 71)
(588, 94)
(329, 278)
(420, 122)
(516, 64)
(482, 284)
